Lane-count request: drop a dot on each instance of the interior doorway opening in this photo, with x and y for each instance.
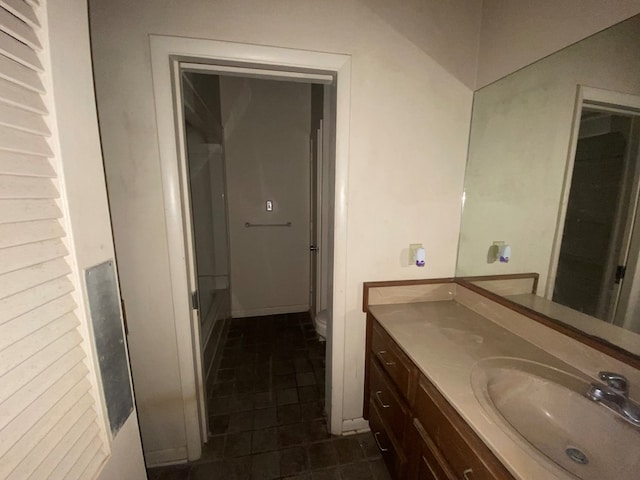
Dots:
(167, 52)
(257, 161)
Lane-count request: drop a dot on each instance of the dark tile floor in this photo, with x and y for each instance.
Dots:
(266, 412)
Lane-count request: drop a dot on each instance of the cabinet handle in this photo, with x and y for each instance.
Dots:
(381, 355)
(382, 404)
(375, 437)
(466, 474)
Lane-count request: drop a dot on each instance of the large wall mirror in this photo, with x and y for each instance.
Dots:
(553, 172)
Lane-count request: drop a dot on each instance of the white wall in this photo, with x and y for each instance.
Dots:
(519, 149)
(517, 33)
(84, 183)
(408, 138)
(448, 34)
(267, 130)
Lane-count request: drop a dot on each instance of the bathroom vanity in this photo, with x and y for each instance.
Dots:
(459, 386)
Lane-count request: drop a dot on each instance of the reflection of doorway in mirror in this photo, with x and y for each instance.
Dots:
(598, 250)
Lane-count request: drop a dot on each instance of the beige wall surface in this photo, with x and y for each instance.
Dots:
(519, 148)
(448, 34)
(83, 181)
(517, 33)
(408, 137)
(267, 127)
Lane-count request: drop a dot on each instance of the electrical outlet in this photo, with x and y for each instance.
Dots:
(413, 248)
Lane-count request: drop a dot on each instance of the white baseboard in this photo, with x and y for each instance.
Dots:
(169, 456)
(355, 425)
(259, 312)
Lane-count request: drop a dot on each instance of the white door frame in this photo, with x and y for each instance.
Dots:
(191, 263)
(585, 96)
(166, 52)
(321, 183)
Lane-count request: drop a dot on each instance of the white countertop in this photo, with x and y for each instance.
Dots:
(445, 340)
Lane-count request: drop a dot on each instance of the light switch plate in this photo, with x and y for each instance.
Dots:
(413, 248)
(269, 206)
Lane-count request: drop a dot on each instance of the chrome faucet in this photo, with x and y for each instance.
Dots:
(616, 382)
(615, 395)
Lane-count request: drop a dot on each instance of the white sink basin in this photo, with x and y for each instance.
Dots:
(544, 407)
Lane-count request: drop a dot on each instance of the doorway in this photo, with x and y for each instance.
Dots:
(598, 231)
(256, 182)
(169, 56)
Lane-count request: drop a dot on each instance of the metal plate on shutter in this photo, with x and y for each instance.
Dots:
(104, 303)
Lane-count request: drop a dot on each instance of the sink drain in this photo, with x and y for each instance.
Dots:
(577, 456)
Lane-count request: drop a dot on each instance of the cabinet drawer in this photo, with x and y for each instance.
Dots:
(393, 360)
(390, 450)
(392, 409)
(462, 449)
(425, 459)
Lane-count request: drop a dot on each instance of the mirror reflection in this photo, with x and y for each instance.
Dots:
(552, 184)
(598, 223)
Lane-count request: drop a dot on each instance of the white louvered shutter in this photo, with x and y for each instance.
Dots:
(48, 422)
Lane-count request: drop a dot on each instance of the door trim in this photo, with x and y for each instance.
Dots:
(166, 52)
(190, 259)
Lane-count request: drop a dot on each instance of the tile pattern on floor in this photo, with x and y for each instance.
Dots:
(266, 412)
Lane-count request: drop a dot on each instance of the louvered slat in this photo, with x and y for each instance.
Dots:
(29, 254)
(20, 327)
(22, 10)
(17, 73)
(13, 234)
(89, 460)
(20, 351)
(78, 457)
(76, 398)
(93, 467)
(36, 410)
(23, 120)
(19, 52)
(70, 426)
(17, 281)
(23, 210)
(23, 142)
(15, 186)
(19, 29)
(31, 367)
(72, 434)
(28, 300)
(14, 94)
(22, 398)
(12, 163)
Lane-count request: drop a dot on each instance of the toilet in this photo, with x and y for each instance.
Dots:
(320, 324)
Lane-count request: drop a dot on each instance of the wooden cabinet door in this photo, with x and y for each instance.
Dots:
(425, 459)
